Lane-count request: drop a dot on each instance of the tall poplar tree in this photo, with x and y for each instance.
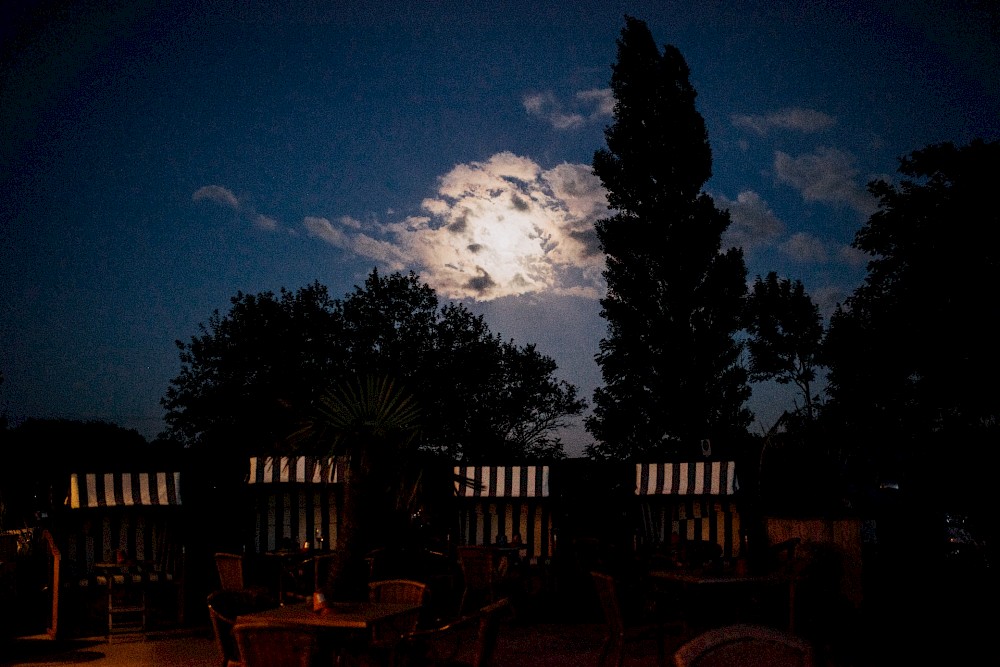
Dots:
(670, 361)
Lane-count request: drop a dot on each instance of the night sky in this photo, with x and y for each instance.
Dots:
(155, 161)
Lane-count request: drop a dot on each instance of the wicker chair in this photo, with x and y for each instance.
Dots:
(222, 611)
(469, 641)
(621, 633)
(400, 591)
(231, 574)
(404, 591)
(479, 576)
(265, 644)
(745, 644)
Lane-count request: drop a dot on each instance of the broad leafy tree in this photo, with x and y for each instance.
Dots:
(785, 335)
(670, 361)
(912, 354)
(241, 372)
(250, 376)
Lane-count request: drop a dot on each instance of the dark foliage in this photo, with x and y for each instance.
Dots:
(670, 361)
(785, 335)
(912, 352)
(251, 376)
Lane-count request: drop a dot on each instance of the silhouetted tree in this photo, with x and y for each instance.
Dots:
(785, 335)
(912, 354)
(670, 361)
(249, 377)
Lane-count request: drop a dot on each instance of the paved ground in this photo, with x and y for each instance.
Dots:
(519, 645)
(916, 621)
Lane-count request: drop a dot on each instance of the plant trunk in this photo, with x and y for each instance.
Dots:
(348, 576)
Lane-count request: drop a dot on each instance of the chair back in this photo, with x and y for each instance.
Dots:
(489, 629)
(230, 567)
(404, 591)
(745, 644)
(468, 641)
(223, 621)
(264, 644)
(610, 606)
(397, 591)
(478, 575)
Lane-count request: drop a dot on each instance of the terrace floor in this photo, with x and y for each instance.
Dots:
(915, 621)
(519, 645)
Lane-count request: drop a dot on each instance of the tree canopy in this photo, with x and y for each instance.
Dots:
(785, 335)
(912, 353)
(670, 361)
(250, 376)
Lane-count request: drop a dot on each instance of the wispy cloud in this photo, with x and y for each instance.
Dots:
(585, 106)
(805, 248)
(753, 222)
(266, 222)
(799, 120)
(828, 175)
(225, 197)
(496, 228)
(828, 297)
(217, 194)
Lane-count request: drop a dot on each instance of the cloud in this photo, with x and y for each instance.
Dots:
(852, 256)
(322, 228)
(828, 175)
(496, 228)
(225, 197)
(217, 194)
(603, 100)
(265, 222)
(586, 106)
(805, 248)
(800, 120)
(828, 297)
(753, 222)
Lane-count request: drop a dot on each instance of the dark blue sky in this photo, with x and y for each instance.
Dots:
(154, 161)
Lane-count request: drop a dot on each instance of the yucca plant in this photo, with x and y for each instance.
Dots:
(371, 426)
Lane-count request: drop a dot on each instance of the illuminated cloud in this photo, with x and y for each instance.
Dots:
(602, 99)
(753, 223)
(265, 222)
(321, 228)
(828, 175)
(828, 297)
(586, 106)
(497, 228)
(217, 194)
(805, 248)
(800, 120)
(852, 256)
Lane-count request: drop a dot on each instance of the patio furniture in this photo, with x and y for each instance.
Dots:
(397, 590)
(276, 644)
(729, 596)
(479, 576)
(223, 609)
(230, 568)
(346, 629)
(620, 632)
(401, 591)
(745, 644)
(469, 641)
(225, 640)
(126, 598)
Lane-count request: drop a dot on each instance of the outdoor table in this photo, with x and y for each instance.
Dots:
(696, 585)
(341, 625)
(286, 559)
